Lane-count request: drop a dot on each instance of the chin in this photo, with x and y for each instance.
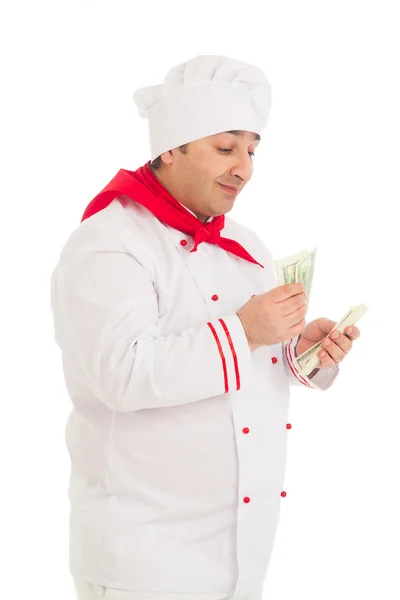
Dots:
(222, 212)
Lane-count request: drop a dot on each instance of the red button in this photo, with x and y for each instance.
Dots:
(246, 430)
(183, 242)
(283, 494)
(274, 360)
(288, 426)
(215, 297)
(246, 499)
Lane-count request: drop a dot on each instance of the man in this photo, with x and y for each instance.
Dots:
(177, 347)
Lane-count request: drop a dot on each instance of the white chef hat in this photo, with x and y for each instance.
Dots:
(206, 95)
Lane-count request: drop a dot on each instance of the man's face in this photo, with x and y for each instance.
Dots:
(195, 178)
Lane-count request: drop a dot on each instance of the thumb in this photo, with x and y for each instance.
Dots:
(325, 325)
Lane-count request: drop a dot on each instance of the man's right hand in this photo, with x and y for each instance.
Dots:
(274, 317)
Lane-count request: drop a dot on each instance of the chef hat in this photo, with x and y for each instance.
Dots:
(204, 96)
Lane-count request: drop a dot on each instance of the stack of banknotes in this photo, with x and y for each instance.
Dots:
(300, 268)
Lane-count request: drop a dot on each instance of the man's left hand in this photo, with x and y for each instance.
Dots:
(335, 346)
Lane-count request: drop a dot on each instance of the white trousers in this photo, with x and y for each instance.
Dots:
(88, 591)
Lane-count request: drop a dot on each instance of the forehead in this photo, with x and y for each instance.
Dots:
(241, 134)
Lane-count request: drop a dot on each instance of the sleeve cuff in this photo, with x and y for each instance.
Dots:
(322, 380)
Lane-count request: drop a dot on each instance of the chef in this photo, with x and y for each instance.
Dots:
(177, 347)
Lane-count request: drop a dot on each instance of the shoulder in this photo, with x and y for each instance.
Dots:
(116, 228)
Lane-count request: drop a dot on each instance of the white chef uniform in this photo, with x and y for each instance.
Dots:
(178, 433)
(177, 436)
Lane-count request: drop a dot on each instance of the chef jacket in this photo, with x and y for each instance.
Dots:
(178, 432)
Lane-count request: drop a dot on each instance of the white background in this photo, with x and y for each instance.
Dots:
(326, 174)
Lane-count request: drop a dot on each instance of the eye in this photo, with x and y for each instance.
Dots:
(229, 150)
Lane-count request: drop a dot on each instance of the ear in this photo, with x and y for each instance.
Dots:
(167, 157)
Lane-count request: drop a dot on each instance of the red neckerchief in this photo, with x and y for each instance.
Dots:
(142, 186)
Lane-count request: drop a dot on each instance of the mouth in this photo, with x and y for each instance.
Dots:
(230, 189)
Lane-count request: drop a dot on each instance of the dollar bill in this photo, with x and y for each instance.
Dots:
(309, 360)
(297, 268)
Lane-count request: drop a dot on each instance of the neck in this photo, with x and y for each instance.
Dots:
(164, 183)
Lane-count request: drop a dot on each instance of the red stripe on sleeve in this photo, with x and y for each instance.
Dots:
(233, 353)
(221, 352)
(292, 367)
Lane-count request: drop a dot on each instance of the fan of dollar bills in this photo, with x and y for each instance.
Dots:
(300, 268)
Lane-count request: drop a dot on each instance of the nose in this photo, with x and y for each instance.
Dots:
(242, 169)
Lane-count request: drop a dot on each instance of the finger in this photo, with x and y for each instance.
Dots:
(342, 341)
(352, 332)
(326, 361)
(333, 350)
(295, 311)
(283, 292)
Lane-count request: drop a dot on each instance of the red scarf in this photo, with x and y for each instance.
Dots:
(143, 186)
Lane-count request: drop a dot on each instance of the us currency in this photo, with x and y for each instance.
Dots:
(309, 360)
(297, 268)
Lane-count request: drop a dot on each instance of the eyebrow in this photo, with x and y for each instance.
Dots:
(256, 137)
